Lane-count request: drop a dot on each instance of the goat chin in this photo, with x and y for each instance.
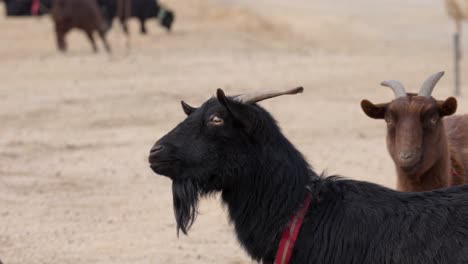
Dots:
(409, 168)
(185, 194)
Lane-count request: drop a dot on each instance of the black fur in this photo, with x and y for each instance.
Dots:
(23, 7)
(185, 199)
(141, 9)
(263, 179)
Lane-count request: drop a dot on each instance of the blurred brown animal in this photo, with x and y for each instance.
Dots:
(430, 150)
(81, 14)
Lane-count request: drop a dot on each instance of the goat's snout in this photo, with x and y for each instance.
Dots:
(408, 158)
(161, 160)
(155, 152)
(406, 155)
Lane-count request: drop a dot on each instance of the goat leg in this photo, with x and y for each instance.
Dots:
(91, 39)
(102, 35)
(60, 33)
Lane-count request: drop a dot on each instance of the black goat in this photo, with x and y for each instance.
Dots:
(233, 146)
(142, 9)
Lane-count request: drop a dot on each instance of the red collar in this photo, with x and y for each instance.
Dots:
(35, 5)
(286, 245)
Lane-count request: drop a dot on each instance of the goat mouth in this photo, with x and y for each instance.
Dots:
(408, 167)
(163, 167)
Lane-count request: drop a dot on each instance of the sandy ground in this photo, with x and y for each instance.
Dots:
(76, 129)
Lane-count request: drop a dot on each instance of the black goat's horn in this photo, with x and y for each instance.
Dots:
(429, 84)
(396, 86)
(250, 98)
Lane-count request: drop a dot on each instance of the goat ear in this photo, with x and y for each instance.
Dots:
(188, 110)
(239, 111)
(447, 107)
(374, 111)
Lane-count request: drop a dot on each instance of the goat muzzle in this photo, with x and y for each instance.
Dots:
(408, 159)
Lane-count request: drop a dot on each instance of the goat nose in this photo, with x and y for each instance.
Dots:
(406, 155)
(155, 149)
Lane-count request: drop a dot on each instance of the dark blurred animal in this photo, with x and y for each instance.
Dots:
(81, 14)
(122, 9)
(141, 9)
(429, 148)
(233, 146)
(25, 7)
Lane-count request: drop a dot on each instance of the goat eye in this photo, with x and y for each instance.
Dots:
(217, 121)
(389, 121)
(434, 120)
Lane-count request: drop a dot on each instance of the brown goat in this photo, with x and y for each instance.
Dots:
(429, 149)
(81, 14)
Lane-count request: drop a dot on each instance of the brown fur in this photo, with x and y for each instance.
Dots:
(456, 127)
(81, 14)
(430, 150)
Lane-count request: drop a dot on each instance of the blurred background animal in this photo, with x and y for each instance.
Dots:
(121, 9)
(92, 16)
(141, 9)
(81, 14)
(27, 7)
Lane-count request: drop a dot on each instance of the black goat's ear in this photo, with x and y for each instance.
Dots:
(447, 107)
(187, 108)
(374, 111)
(239, 111)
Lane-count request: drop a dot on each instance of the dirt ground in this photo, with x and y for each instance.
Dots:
(75, 186)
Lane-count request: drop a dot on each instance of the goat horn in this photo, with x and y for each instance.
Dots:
(255, 97)
(396, 86)
(429, 84)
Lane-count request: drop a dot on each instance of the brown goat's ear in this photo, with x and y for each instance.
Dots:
(239, 111)
(188, 110)
(374, 111)
(447, 107)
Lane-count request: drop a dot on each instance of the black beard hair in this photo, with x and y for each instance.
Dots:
(185, 195)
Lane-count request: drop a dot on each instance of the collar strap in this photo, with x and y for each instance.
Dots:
(35, 5)
(286, 245)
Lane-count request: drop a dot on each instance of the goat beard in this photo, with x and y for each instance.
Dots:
(185, 195)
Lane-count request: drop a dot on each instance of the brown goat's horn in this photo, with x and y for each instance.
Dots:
(255, 97)
(429, 84)
(396, 86)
